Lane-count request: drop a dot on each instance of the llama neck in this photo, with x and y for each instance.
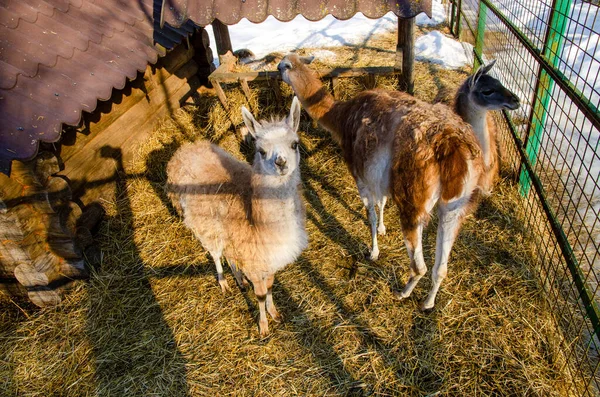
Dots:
(319, 104)
(477, 117)
(273, 197)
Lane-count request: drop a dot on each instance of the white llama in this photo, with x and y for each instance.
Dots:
(252, 216)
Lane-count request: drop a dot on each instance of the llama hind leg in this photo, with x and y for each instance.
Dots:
(414, 246)
(369, 202)
(239, 276)
(381, 226)
(450, 220)
(372, 217)
(270, 305)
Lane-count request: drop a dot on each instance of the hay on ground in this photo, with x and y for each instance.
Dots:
(153, 322)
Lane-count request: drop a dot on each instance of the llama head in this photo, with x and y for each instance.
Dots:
(291, 66)
(485, 91)
(276, 142)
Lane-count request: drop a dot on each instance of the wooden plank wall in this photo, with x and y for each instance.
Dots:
(44, 233)
(129, 117)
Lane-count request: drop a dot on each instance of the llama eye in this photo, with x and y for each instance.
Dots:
(294, 145)
(487, 92)
(262, 153)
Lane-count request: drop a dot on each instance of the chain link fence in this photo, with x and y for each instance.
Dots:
(548, 52)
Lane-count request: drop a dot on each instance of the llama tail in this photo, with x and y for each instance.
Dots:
(454, 149)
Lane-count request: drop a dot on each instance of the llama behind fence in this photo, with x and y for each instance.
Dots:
(252, 216)
(421, 154)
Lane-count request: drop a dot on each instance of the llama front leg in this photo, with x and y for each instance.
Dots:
(381, 226)
(450, 219)
(220, 277)
(270, 305)
(260, 290)
(414, 246)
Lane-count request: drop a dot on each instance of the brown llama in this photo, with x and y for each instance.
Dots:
(420, 154)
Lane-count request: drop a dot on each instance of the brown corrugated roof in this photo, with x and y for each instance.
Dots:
(59, 57)
(203, 12)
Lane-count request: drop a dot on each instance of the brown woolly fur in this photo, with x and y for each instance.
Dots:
(152, 320)
(420, 155)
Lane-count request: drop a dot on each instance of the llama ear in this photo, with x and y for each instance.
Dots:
(485, 69)
(307, 60)
(250, 121)
(293, 120)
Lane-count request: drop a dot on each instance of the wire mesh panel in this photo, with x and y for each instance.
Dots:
(548, 53)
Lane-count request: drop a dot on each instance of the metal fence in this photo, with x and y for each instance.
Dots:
(548, 51)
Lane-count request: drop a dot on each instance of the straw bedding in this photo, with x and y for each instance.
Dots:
(152, 320)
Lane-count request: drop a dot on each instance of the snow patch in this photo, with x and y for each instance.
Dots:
(436, 48)
(324, 55)
(272, 35)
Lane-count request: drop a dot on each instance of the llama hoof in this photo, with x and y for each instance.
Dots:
(276, 316)
(400, 295)
(427, 309)
(374, 255)
(263, 329)
(242, 284)
(381, 230)
(224, 285)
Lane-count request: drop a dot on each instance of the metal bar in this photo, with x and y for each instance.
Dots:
(585, 105)
(553, 45)
(458, 19)
(480, 37)
(452, 17)
(591, 307)
(469, 26)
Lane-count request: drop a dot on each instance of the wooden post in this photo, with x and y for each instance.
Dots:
(405, 53)
(274, 84)
(203, 55)
(222, 39)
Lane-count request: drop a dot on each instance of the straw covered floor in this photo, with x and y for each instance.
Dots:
(152, 321)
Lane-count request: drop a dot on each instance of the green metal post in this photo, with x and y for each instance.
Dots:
(553, 46)
(478, 49)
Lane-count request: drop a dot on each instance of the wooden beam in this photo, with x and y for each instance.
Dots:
(235, 77)
(334, 84)
(222, 39)
(405, 53)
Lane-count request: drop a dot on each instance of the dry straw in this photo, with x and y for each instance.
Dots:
(153, 322)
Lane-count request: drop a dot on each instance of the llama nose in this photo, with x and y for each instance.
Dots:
(516, 102)
(284, 64)
(281, 162)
